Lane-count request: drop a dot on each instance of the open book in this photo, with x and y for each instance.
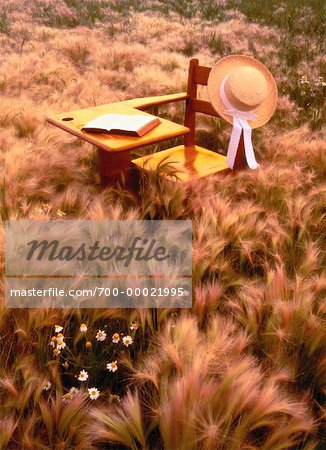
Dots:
(133, 125)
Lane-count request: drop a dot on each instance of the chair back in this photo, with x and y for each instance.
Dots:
(198, 75)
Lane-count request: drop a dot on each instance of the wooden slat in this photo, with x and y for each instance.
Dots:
(190, 115)
(147, 102)
(204, 107)
(201, 75)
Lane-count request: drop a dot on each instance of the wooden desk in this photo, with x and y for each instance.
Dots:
(114, 150)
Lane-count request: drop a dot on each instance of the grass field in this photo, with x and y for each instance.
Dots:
(245, 368)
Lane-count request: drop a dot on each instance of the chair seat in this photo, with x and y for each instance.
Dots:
(183, 163)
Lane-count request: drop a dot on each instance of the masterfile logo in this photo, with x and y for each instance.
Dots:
(98, 263)
(140, 249)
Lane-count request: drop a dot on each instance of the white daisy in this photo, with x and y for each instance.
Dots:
(60, 341)
(94, 393)
(66, 397)
(57, 328)
(61, 345)
(83, 375)
(134, 325)
(101, 335)
(56, 352)
(83, 328)
(73, 391)
(127, 340)
(116, 338)
(47, 386)
(112, 366)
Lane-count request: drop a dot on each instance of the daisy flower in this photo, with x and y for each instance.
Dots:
(83, 328)
(112, 366)
(60, 343)
(83, 375)
(134, 325)
(100, 335)
(56, 352)
(93, 393)
(53, 341)
(127, 340)
(116, 338)
(66, 397)
(73, 391)
(57, 328)
(47, 386)
(65, 364)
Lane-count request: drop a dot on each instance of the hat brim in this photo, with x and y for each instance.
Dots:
(227, 65)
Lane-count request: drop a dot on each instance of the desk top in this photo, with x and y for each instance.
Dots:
(73, 121)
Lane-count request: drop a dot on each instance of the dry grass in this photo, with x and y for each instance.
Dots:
(246, 367)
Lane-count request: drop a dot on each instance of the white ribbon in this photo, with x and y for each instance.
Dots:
(240, 124)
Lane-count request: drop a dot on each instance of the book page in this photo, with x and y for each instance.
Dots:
(120, 122)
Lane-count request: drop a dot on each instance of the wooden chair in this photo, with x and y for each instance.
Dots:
(187, 161)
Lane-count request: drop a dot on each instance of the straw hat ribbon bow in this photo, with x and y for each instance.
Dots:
(240, 123)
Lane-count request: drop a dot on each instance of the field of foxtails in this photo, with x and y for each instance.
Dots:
(245, 368)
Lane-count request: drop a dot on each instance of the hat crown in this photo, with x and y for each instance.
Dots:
(246, 88)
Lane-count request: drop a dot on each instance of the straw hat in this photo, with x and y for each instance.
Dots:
(248, 86)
